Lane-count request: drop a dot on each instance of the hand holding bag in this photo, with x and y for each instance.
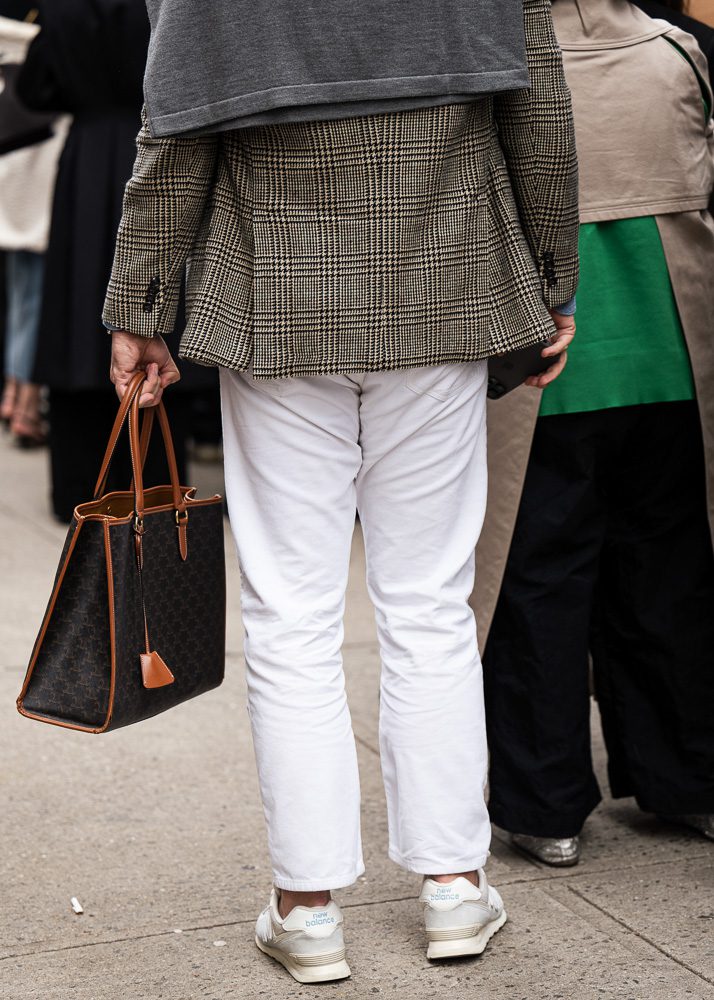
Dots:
(136, 619)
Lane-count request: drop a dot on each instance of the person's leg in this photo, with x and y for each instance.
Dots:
(652, 647)
(421, 498)
(291, 458)
(25, 273)
(10, 384)
(536, 659)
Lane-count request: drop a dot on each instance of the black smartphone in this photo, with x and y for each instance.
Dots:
(508, 371)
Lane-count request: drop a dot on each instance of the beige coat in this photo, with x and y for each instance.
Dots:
(613, 56)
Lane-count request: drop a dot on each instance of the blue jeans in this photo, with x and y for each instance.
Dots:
(25, 273)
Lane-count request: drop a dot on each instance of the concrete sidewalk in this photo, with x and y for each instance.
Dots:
(158, 831)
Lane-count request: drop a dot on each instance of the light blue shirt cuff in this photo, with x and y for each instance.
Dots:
(567, 309)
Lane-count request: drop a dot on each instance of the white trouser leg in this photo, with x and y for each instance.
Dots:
(414, 445)
(291, 459)
(421, 496)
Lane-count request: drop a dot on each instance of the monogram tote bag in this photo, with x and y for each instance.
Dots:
(136, 619)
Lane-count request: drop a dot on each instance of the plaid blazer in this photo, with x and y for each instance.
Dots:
(388, 241)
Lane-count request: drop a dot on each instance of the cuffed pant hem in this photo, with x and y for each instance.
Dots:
(318, 885)
(423, 867)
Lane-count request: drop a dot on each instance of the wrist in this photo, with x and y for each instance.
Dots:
(118, 333)
(568, 308)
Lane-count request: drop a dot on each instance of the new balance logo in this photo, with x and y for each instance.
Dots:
(319, 919)
(444, 896)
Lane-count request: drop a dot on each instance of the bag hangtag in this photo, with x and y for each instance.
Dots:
(154, 672)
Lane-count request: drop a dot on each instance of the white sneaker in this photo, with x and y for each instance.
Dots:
(308, 942)
(460, 918)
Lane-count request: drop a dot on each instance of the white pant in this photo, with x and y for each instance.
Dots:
(407, 449)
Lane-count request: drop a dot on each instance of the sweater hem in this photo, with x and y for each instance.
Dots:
(618, 403)
(668, 206)
(242, 109)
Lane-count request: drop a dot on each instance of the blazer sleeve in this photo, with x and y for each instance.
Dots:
(537, 136)
(163, 206)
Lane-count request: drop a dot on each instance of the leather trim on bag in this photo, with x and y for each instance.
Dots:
(156, 674)
(112, 628)
(46, 619)
(43, 631)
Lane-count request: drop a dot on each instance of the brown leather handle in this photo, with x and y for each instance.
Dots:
(137, 456)
(134, 386)
(147, 425)
(138, 444)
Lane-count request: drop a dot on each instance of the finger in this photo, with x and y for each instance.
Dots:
(147, 386)
(546, 377)
(563, 337)
(169, 376)
(151, 389)
(120, 381)
(558, 344)
(149, 399)
(552, 373)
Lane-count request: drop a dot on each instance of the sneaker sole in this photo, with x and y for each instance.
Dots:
(472, 945)
(306, 974)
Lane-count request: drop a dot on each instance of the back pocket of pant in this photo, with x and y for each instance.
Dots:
(442, 381)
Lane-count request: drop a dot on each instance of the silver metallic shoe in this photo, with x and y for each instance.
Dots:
(703, 824)
(560, 852)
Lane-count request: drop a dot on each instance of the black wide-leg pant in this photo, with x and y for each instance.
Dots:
(611, 556)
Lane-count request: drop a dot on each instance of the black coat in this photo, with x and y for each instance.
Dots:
(17, 9)
(702, 32)
(88, 60)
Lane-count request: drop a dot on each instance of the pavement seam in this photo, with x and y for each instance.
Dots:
(555, 877)
(609, 865)
(122, 940)
(639, 934)
(348, 906)
(184, 930)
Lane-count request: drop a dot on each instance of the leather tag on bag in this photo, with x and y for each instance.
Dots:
(154, 671)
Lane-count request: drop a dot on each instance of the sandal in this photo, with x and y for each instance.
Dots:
(29, 432)
(27, 424)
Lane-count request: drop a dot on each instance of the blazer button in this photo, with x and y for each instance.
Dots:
(549, 269)
(152, 291)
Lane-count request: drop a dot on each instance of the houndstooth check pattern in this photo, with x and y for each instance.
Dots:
(389, 241)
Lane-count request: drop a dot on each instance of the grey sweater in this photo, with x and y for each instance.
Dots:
(217, 64)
